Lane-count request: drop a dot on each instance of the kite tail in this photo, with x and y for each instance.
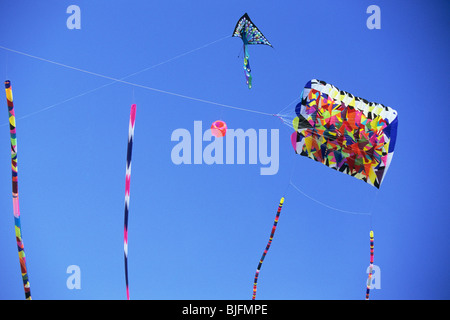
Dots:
(369, 279)
(127, 191)
(247, 69)
(267, 247)
(15, 190)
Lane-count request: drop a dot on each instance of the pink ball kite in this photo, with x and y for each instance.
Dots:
(218, 128)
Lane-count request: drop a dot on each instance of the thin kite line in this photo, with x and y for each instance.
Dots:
(110, 83)
(135, 84)
(328, 206)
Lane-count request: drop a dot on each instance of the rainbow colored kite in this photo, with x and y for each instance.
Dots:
(344, 132)
(250, 34)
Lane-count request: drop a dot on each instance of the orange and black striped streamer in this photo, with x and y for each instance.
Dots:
(258, 269)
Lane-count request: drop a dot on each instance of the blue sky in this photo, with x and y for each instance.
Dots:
(198, 231)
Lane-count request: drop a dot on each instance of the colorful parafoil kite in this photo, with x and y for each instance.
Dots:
(250, 34)
(344, 132)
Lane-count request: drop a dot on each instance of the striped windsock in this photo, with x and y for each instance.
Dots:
(369, 279)
(15, 190)
(127, 191)
(267, 247)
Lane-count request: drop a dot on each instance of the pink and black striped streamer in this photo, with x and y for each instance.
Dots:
(369, 279)
(258, 269)
(127, 191)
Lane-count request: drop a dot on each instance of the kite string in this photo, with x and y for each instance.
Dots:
(130, 75)
(135, 84)
(279, 113)
(125, 77)
(177, 57)
(328, 206)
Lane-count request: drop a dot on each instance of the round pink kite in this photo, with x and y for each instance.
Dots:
(218, 128)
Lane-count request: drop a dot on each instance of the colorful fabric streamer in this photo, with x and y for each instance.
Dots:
(15, 190)
(248, 70)
(258, 269)
(369, 279)
(127, 191)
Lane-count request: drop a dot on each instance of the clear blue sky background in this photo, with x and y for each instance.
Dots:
(198, 231)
